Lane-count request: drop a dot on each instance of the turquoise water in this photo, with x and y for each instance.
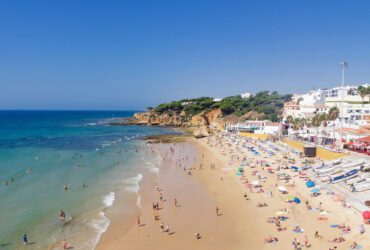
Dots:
(40, 151)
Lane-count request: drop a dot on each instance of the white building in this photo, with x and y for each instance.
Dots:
(321, 100)
(306, 105)
(246, 95)
(354, 108)
(257, 127)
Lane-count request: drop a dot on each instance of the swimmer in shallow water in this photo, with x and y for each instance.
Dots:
(62, 215)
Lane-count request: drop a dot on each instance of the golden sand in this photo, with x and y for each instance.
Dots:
(241, 224)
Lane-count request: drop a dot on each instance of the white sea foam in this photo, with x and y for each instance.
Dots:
(154, 170)
(101, 225)
(108, 200)
(133, 183)
(138, 201)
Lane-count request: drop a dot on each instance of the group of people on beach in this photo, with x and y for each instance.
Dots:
(232, 146)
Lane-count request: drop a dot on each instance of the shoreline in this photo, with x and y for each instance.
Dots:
(218, 232)
(241, 225)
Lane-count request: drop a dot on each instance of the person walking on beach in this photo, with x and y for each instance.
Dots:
(245, 196)
(306, 242)
(25, 240)
(138, 221)
(362, 229)
(175, 202)
(64, 244)
(217, 211)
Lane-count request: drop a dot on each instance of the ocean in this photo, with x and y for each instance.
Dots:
(42, 151)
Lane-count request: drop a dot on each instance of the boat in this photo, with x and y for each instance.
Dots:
(330, 170)
(348, 175)
(362, 186)
(326, 177)
(362, 177)
(329, 164)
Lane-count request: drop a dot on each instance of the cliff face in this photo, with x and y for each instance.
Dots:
(171, 118)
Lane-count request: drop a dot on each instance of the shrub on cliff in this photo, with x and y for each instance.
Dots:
(267, 103)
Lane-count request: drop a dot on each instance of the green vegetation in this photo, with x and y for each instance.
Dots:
(267, 103)
(363, 92)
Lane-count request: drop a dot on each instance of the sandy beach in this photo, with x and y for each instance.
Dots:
(240, 222)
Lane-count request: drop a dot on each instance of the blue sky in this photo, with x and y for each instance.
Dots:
(131, 54)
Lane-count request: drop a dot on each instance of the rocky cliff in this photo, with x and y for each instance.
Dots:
(212, 118)
(172, 118)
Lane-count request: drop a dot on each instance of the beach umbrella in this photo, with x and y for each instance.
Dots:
(255, 183)
(296, 200)
(310, 184)
(282, 189)
(366, 215)
(294, 168)
(305, 167)
(289, 198)
(315, 190)
(280, 213)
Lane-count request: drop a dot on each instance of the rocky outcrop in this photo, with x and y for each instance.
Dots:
(175, 119)
(212, 118)
(200, 133)
(164, 119)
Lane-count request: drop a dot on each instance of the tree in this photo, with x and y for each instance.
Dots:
(227, 108)
(363, 92)
(324, 121)
(315, 121)
(290, 119)
(333, 116)
(296, 124)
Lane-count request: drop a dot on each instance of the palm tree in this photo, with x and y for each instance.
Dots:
(302, 123)
(323, 118)
(315, 121)
(290, 119)
(332, 116)
(296, 124)
(368, 92)
(363, 92)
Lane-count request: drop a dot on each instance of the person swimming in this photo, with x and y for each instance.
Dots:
(62, 215)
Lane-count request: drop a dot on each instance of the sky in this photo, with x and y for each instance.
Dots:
(131, 54)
